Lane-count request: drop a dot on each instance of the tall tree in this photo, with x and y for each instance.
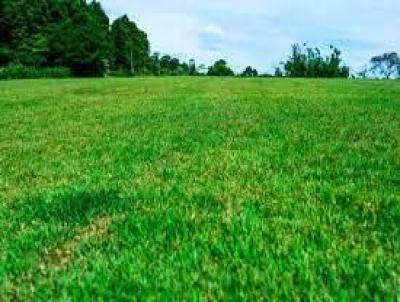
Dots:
(80, 40)
(130, 45)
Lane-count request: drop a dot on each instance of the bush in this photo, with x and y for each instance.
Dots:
(24, 72)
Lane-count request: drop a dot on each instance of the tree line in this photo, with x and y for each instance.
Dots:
(78, 35)
(74, 34)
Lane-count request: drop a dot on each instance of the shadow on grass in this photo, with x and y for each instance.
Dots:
(39, 222)
(75, 206)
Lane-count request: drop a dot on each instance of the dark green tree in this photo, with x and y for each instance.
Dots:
(73, 34)
(23, 39)
(249, 72)
(192, 67)
(309, 63)
(278, 72)
(172, 66)
(153, 64)
(81, 40)
(221, 69)
(130, 45)
(5, 51)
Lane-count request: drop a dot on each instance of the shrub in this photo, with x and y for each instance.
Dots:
(15, 71)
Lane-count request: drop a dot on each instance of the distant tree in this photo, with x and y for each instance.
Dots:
(278, 72)
(220, 68)
(154, 64)
(183, 69)
(202, 69)
(308, 62)
(249, 72)
(165, 64)
(387, 64)
(169, 65)
(174, 64)
(130, 45)
(192, 67)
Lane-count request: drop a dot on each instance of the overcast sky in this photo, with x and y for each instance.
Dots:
(260, 32)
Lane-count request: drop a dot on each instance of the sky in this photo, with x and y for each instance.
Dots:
(260, 32)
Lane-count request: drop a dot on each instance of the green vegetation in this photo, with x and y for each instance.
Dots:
(307, 62)
(220, 69)
(19, 71)
(199, 188)
(75, 34)
(78, 35)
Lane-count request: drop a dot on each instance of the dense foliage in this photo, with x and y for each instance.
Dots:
(74, 34)
(168, 65)
(306, 62)
(221, 69)
(249, 72)
(30, 72)
(78, 35)
(130, 45)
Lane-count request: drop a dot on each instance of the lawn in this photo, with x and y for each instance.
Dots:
(199, 189)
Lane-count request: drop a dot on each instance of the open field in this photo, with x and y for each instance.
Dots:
(199, 188)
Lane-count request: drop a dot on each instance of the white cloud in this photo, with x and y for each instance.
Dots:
(214, 30)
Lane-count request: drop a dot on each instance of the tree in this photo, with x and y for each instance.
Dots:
(22, 37)
(308, 62)
(130, 45)
(221, 69)
(278, 72)
(192, 67)
(387, 64)
(249, 72)
(202, 70)
(169, 65)
(5, 53)
(47, 33)
(183, 69)
(172, 66)
(80, 41)
(154, 64)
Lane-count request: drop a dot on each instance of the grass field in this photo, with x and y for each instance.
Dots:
(199, 189)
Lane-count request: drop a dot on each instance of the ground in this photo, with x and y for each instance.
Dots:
(199, 189)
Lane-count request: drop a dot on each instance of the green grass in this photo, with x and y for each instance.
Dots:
(199, 189)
